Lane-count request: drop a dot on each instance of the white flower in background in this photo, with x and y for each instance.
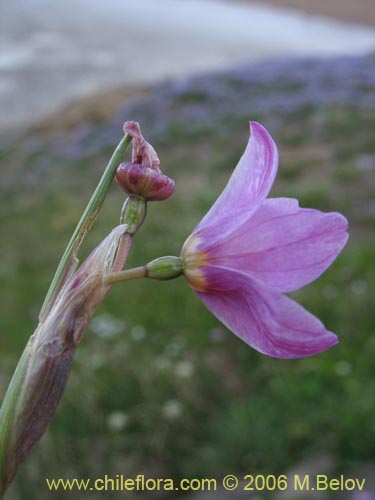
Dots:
(184, 369)
(107, 326)
(172, 409)
(117, 421)
(175, 347)
(343, 368)
(138, 333)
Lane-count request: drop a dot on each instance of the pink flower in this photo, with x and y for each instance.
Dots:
(247, 250)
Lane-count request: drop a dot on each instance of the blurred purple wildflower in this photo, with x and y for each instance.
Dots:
(247, 250)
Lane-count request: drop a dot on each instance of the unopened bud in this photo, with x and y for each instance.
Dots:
(152, 185)
(143, 177)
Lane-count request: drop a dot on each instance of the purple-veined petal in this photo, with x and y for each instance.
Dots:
(251, 180)
(212, 238)
(283, 245)
(265, 319)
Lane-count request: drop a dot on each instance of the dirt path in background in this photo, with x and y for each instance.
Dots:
(352, 11)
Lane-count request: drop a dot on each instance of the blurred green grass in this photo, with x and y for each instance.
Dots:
(158, 385)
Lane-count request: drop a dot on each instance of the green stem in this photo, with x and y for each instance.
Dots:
(6, 413)
(162, 269)
(129, 274)
(84, 225)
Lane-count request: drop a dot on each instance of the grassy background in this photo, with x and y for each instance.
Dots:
(159, 386)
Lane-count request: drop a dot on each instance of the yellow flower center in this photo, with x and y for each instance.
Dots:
(192, 262)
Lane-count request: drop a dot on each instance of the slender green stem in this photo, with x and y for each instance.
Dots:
(129, 274)
(7, 411)
(84, 225)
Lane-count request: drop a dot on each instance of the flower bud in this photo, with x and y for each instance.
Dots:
(143, 181)
(143, 177)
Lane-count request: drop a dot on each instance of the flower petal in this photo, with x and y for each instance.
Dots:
(143, 153)
(265, 319)
(213, 237)
(283, 245)
(251, 180)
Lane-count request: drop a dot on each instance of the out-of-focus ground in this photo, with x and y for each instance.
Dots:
(53, 53)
